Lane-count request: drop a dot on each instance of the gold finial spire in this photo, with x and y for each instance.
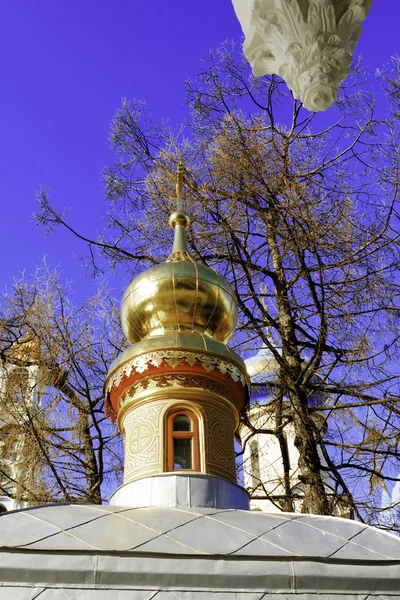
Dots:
(179, 186)
(179, 221)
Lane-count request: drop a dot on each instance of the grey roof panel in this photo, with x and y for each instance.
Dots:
(63, 519)
(56, 593)
(352, 577)
(193, 573)
(165, 545)
(379, 541)
(299, 538)
(71, 594)
(115, 532)
(254, 522)
(318, 596)
(344, 528)
(53, 594)
(21, 593)
(211, 536)
(261, 547)
(165, 520)
(59, 541)
(351, 551)
(20, 528)
(184, 595)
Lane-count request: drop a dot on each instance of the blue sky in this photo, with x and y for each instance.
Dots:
(65, 67)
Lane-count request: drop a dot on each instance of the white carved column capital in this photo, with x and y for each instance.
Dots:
(309, 43)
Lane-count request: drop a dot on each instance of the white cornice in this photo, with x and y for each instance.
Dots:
(309, 43)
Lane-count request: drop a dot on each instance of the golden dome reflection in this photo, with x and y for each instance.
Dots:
(179, 295)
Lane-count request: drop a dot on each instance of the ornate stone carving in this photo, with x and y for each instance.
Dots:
(177, 381)
(174, 358)
(309, 43)
(143, 441)
(220, 427)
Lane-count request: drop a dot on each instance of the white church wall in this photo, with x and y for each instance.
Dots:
(263, 470)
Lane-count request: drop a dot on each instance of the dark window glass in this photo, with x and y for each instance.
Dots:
(182, 423)
(183, 441)
(183, 453)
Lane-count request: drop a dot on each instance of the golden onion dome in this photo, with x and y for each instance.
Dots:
(179, 295)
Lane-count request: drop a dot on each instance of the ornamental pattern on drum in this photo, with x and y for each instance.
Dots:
(177, 381)
(220, 427)
(173, 358)
(143, 439)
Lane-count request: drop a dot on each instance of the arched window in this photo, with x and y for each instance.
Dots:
(183, 442)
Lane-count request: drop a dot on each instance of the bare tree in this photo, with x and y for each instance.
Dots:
(299, 212)
(54, 358)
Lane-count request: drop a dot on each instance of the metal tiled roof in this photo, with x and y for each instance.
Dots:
(92, 552)
(193, 532)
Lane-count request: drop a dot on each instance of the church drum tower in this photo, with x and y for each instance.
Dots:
(177, 390)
